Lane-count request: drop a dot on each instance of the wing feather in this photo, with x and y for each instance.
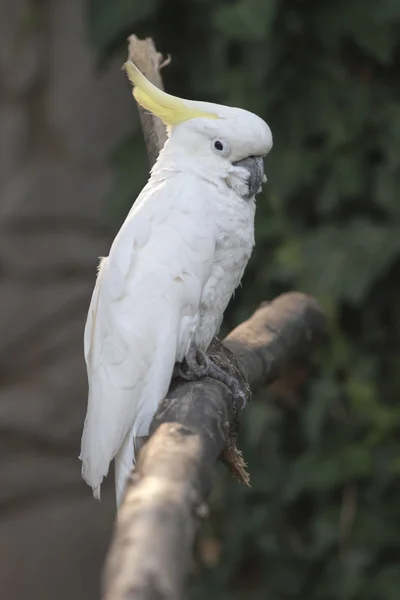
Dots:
(141, 319)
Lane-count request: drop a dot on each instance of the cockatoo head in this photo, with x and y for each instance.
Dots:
(223, 142)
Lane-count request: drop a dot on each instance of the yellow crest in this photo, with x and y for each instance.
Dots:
(170, 109)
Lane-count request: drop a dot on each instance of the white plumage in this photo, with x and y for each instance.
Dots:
(169, 276)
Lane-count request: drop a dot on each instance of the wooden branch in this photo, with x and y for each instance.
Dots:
(151, 550)
(196, 423)
(144, 54)
(275, 337)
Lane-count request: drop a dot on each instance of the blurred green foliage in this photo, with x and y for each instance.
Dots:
(322, 521)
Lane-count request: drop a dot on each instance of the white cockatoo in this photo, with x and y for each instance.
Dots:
(161, 293)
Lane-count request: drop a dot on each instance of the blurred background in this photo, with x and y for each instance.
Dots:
(322, 520)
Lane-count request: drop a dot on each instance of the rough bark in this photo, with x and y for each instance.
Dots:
(144, 54)
(150, 554)
(193, 426)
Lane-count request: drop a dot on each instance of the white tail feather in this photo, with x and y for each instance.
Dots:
(124, 463)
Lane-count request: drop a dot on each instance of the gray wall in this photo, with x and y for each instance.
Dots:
(60, 117)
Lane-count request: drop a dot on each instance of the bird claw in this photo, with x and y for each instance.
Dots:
(199, 365)
(196, 365)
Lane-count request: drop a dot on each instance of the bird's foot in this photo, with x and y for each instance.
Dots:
(192, 367)
(197, 365)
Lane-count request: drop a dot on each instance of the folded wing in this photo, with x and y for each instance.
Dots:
(141, 320)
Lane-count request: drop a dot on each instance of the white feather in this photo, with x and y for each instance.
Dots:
(170, 274)
(142, 318)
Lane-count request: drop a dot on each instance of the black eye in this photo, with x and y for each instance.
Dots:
(220, 147)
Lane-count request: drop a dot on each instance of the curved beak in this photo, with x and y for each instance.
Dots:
(255, 166)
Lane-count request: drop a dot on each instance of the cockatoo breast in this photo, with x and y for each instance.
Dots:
(234, 244)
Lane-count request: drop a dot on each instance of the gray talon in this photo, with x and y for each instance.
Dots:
(198, 365)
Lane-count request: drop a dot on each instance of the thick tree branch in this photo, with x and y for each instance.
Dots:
(194, 425)
(151, 550)
(275, 337)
